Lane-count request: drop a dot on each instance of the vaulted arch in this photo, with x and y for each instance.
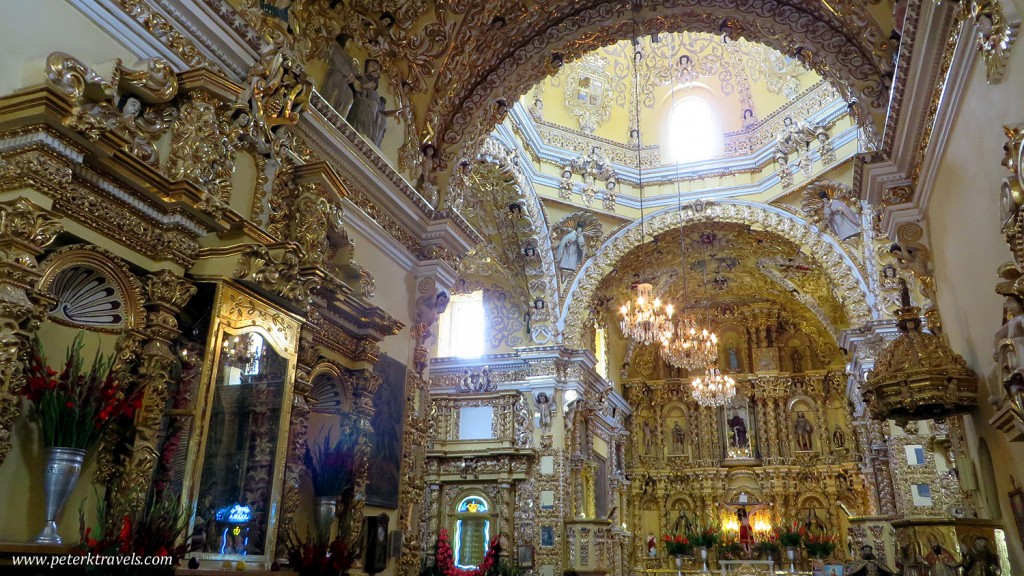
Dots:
(847, 281)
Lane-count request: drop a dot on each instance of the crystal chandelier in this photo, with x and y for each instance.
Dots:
(689, 347)
(645, 320)
(714, 389)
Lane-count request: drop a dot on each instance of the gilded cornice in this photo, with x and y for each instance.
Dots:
(146, 226)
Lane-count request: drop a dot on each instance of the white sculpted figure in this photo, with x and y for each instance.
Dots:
(338, 87)
(570, 252)
(840, 217)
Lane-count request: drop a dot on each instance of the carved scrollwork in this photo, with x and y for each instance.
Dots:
(133, 104)
(281, 275)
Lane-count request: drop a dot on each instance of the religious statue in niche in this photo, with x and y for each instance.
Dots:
(804, 431)
(838, 438)
(678, 439)
(841, 219)
(429, 307)
(574, 237)
(652, 546)
(545, 407)
(338, 87)
(798, 361)
(738, 433)
(571, 251)
(734, 359)
(868, 565)
(648, 437)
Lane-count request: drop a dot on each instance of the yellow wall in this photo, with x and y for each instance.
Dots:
(963, 225)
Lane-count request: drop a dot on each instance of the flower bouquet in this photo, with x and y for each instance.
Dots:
(73, 407)
(729, 548)
(767, 543)
(790, 537)
(330, 464)
(158, 530)
(319, 557)
(820, 545)
(678, 545)
(706, 538)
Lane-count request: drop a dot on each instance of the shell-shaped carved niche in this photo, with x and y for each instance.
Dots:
(92, 290)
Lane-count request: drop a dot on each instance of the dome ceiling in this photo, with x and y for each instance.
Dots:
(745, 82)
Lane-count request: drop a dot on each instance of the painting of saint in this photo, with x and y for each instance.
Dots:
(386, 442)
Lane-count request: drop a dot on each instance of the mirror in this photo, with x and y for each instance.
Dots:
(236, 481)
(238, 468)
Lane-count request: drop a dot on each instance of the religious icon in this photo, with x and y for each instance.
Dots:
(940, 561)
(677, 438)
(547, 536)
(868, 565)
(804, 433)
(737, 430)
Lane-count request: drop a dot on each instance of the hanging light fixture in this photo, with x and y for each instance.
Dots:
(713, 389)
(687, 346)
(644, 319)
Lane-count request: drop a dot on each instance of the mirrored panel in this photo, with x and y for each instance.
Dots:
(236, 482)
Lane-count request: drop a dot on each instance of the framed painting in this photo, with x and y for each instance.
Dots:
(386, 444)
(524, 556)
(1017, 505)
(835, 570)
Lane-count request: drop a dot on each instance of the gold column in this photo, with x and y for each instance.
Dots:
(166, 293)
(365, 386)
(25, 229)
(298, 429)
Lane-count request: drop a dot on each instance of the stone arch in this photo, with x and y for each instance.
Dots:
(539, 271)
(843, 52)
(850, 286)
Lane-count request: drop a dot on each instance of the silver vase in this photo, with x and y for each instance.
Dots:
(63, 466)
(704, 559)
(324, 513)
(791, 552)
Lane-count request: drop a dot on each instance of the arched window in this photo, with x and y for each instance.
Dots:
(472, 532)
(693, 131)
(461, 327)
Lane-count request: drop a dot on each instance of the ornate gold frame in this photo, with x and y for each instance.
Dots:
(237, 310)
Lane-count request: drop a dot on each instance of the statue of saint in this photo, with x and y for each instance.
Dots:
(338, 87)
(677, 438)
(804, 433)
(838, 438)
(940, 561)
(734, 359)
(840, 217)
(652, 545)
(362, 116)
(979, 559)
(738, 429)
(868, 565)
(572, 248)
(648, 437)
